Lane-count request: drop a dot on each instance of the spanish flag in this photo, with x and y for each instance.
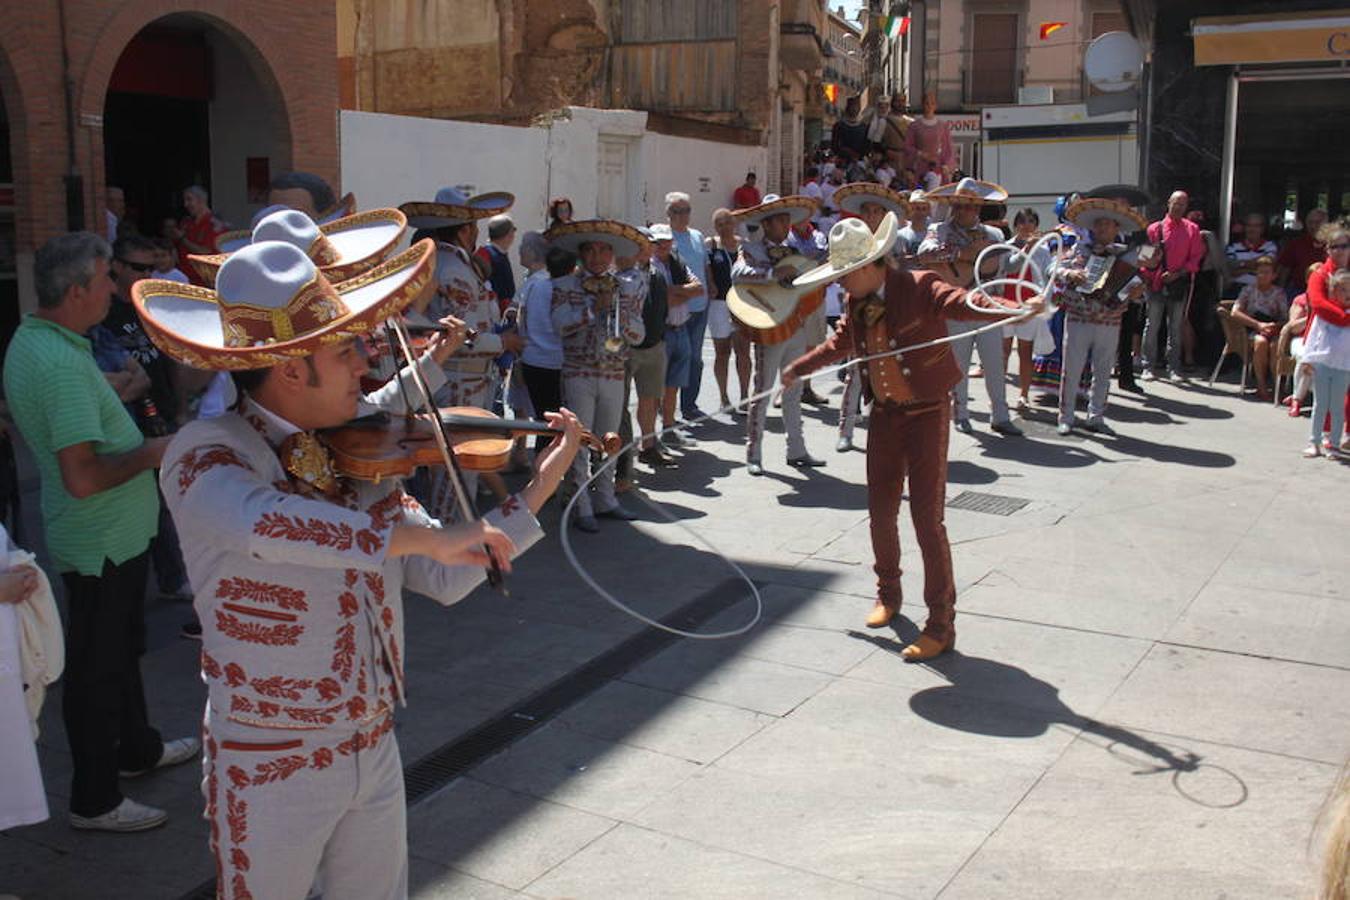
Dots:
(832, 92)
(1049, 28)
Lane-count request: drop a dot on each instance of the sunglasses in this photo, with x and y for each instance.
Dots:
(143, 268)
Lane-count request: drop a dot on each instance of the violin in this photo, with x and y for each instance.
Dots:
(381, 446)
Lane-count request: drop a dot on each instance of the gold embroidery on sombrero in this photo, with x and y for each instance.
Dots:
(313, 306)
(323, 252)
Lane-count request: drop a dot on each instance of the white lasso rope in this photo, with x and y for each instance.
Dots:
(1040, 281)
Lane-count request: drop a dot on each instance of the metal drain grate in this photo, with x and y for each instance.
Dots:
(995, 505)
(442, 766)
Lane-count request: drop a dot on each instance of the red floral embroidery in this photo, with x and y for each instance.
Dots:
(238, 777)
(234, 675)
(279, 769)
(241, 704)
(328, 688)
(386, 511)
(337, 535)
(256, 633)
(347, 604)
(510, 505)
(397, 658)
(387, 617)
(281, 687)
(322, 758)
(210, 667)
(356, 708)
(256, 421)
(344, 651)
(375, 584)
(239, 859)
(361, 678)
(240, 888)
(262, 592)
(267, 709)
(349, 577)
(195, 462)
(312, 716)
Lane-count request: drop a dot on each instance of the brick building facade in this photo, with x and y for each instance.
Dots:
(258, 95)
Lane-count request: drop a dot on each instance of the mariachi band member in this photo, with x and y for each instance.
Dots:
(888, 308)
(299, 572)
(758, 260)
(962, 233)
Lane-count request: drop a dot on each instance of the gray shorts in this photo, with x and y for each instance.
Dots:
(649, 370)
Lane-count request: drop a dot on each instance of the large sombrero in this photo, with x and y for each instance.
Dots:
(1129, 194)
(625, 239)
(800, 208)
(272, 303)
(966, 192)
(453, 207)
(1087, 211)
(852, 246)
(851, 197)
(341, 248)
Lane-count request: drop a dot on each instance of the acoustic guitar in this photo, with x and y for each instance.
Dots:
(771, 312)
(955, 265)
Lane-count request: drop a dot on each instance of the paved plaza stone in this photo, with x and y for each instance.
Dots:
(1148, 698)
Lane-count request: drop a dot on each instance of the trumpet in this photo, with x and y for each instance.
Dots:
(614, 339)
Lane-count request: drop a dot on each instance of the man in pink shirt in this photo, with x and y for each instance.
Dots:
(1170, 284)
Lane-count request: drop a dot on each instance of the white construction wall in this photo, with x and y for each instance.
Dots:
(388, 160)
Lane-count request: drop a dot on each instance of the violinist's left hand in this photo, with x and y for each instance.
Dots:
(554, 460)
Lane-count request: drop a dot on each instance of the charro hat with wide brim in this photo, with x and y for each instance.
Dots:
(340, 248)
(799, 207)
(272, 303)
(625, 239)
(851, 197)
(343, 207)
(453, 207)
(967, 191)
(852, 246)
(1087, 211)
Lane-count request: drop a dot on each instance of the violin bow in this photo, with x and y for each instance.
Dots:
(452, 469)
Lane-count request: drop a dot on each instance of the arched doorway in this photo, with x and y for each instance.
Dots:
(191, 101)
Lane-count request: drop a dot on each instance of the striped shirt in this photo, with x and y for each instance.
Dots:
(59, 398)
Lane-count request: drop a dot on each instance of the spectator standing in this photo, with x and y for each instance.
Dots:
(1209, 286)
(541, 358)
(692, 250)
(1243, 254)
(682, 284)
(199, 229)
(1302, 251)
(116, 203)
(559, 211)
(496, 255)
(747, 195)
(100, 509)
(647, 365)
(1327, 350)
(1325, 306)
(1263, 308)
(727, 338)
(1169, 285)
(912, 235)
(1026, 230)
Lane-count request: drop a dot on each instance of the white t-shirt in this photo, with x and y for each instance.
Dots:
(834, 300)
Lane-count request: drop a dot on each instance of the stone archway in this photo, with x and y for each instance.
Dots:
(191, 100)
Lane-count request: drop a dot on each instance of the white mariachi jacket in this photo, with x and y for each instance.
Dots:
(471, 373)
(584, 333)
(301, 608)
(755, 260)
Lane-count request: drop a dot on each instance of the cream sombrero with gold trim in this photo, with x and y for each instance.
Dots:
(799, 207)
(851, 197)
(340, 248)
(967, 191)
(852, 246)
(453, 207)
(272, 303)
(625, 239)
(1085, 212)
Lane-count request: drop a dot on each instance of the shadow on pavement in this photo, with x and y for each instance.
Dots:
(999, 700)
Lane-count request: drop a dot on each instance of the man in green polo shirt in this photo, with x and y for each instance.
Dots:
(100, 509)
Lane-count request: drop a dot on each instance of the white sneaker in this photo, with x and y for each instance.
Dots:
(1148, 375)
(175, 752)
(128, 816)
(1063, 429)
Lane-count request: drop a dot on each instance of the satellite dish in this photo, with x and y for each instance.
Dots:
(1113, 62)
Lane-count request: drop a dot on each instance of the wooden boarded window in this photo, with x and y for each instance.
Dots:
(1103, 22)
(675, 56)
(992, 73)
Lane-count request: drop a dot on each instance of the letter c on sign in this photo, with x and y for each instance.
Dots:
(1339, 43)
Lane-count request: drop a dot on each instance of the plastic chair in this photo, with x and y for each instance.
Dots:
(1236, 340)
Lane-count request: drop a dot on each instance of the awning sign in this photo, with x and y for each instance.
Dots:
(1235, 40)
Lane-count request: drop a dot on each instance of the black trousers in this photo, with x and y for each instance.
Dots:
(545, 389)
(1129, 327)
(103, 703)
